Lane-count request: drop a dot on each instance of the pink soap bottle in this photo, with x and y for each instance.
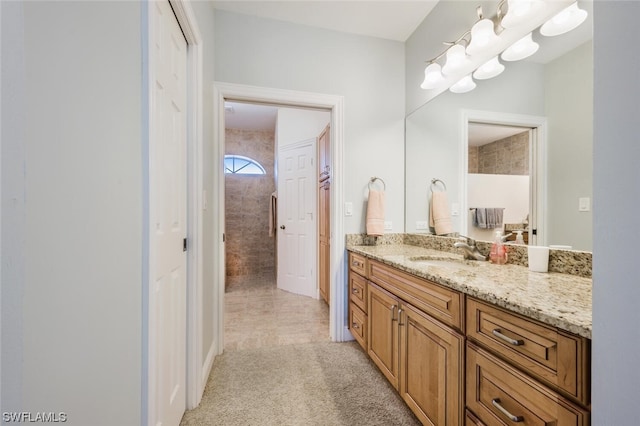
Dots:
(498, 254)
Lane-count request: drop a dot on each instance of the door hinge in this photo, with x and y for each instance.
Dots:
(184, 244)
(534, 232)
(223, 237)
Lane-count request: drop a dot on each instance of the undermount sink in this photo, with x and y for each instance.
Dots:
(446, 262)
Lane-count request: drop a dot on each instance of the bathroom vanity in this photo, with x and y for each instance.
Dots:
(467, 342)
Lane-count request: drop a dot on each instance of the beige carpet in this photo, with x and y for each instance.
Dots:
(306, 384)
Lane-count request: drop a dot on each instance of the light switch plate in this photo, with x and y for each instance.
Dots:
(348, 209)
(388, 226)
(584, 204)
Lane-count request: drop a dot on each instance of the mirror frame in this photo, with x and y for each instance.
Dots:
(537, 158)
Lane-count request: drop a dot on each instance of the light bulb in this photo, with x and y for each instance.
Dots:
(432, 76)
(519, 11)
(565, 21)
(456, 60)
(482, 36)
(521, 49)
(490, 69)
(466, 84)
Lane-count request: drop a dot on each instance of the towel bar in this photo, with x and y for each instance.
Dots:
(373, 179)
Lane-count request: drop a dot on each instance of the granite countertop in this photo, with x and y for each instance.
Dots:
(559, 300)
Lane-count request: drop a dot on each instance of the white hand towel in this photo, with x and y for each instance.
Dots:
(439, 214)
(375, 213)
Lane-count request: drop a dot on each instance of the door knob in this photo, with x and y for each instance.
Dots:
(282, 227)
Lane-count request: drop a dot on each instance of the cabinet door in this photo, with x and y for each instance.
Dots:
(324, 232)
(323, 273)
(431, 368)
(383, 332)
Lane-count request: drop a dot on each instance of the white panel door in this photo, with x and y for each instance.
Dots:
(168, 214)
(297, 203)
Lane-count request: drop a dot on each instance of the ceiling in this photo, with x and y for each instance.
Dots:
(388, 19)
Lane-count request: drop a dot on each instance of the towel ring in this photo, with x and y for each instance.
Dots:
(373, 179)
(434, 181)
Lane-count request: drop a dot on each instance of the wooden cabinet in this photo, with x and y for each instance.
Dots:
(383, 330)
(431, 367)
(324, 237)
(499, 394)
(511, 369)
(419, 355)
(558, 359)
(358, 308)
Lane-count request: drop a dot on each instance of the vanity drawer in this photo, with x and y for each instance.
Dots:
(559, 359)
(441, 303)
(358, 325)
(358, 264)
(358, 291)
(498, 394)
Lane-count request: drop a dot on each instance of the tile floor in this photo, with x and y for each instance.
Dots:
(258, 314)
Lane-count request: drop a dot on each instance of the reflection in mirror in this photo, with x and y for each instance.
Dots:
(498, 158)
(561, 91)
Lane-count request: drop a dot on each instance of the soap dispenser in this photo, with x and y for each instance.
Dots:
(519, 238)
(498, 254)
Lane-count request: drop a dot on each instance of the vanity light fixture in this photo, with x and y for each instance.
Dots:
(521, 49)
(508, 35)
(564, 21)
(490, 69)
(466, 84)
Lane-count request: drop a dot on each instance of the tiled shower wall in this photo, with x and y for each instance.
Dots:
(508, 156)
(249, 248)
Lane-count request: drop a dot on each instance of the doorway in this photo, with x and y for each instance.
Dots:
(269, 194)
(233, 92)
(512, 178)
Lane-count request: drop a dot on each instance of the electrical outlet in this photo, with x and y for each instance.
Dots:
(388, 226)
(422, 225)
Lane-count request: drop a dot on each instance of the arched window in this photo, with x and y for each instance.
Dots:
(237, 164)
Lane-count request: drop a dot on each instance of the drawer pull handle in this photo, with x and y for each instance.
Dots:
(393, 310)
(496, 332)
(399, 317)
(515, 419)
(355, 263)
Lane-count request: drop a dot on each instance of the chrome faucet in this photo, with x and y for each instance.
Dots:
(468, 245)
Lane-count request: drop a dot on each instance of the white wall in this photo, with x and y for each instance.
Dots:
(569, 107)
(616, 293)
(296, 125)
(76, 189)
(204, 13)
(368, 72)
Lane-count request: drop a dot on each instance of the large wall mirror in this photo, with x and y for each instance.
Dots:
(546, 101)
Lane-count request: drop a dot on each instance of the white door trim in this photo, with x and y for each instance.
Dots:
(539, 183)
(196, 366)
(221, 91)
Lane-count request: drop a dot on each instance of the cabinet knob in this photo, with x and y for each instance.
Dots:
(355, 291)
(355, 325)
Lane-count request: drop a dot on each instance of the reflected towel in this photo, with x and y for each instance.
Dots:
(439, 214)
(375, 213)
(488, 218)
